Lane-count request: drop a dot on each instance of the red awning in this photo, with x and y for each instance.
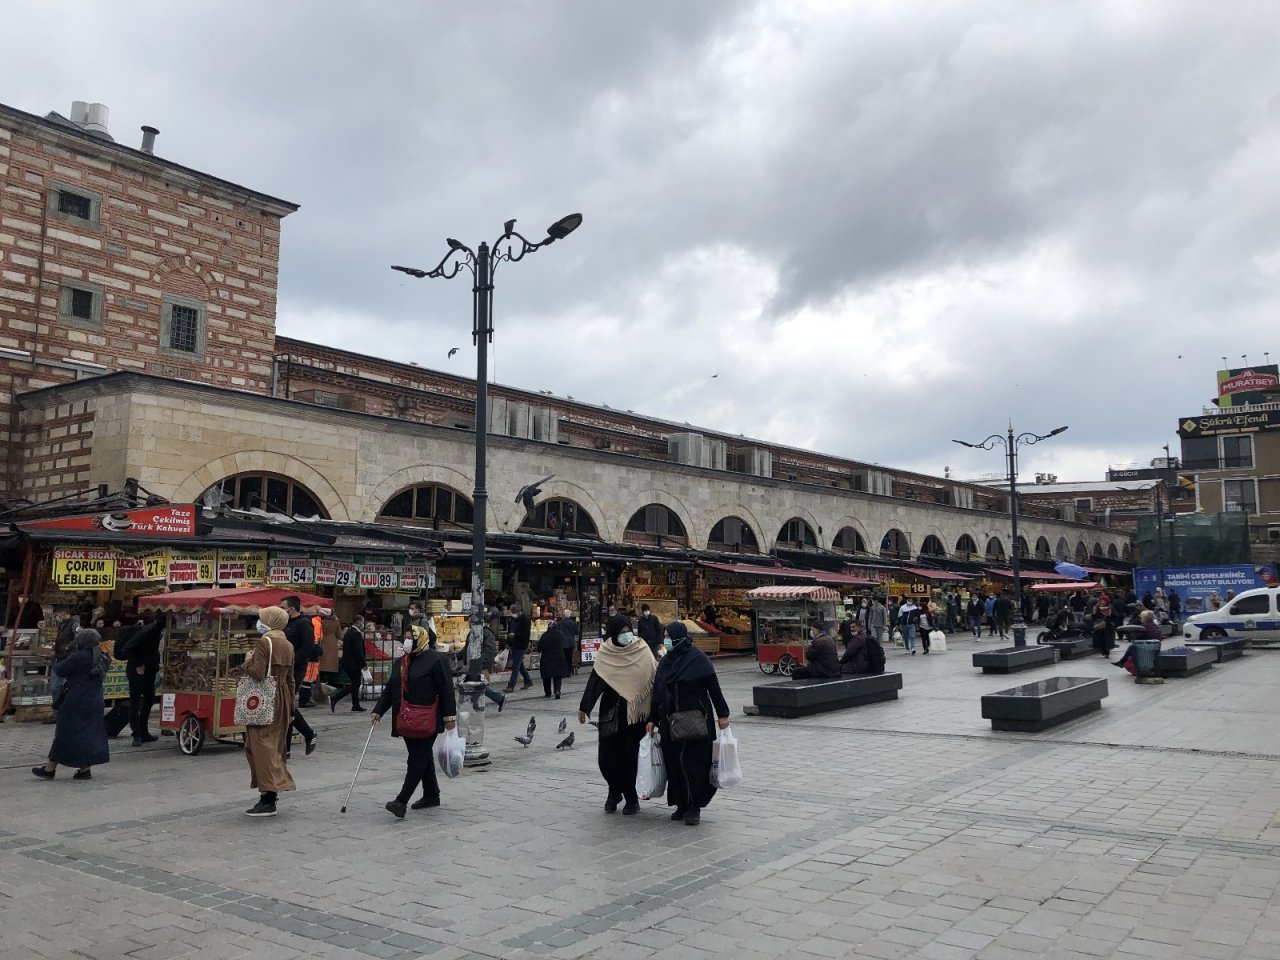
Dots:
(935, 574)
(1064, 587)
(821, 576)
(241, 600)
(795, 592)
(746, 569)
(835, 579)
(1026, 574)
(1099, 571)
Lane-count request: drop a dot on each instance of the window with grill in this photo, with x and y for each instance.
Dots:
(655, 520)
(264, 491)
(184, 329)
(732, 532)
(429, 504)
(1240, 496)
(75, 205)
(560, 515)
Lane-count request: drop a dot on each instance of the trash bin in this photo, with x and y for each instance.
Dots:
(1144, 657)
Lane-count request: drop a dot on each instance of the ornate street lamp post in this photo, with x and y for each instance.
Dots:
(1011, 445)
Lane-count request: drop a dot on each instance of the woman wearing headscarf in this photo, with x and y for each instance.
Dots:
(80, 737)
(622, 682)
(686, 681)
(1101, 627)
(422, 677)
(551, 660)
(265, 746)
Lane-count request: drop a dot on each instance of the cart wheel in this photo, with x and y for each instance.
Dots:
(191, 736)
(767, 668)
(786, 664)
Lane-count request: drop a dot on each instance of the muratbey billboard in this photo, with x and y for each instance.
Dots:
(1247, 384)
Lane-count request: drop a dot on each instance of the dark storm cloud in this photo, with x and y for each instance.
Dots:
(885, 225)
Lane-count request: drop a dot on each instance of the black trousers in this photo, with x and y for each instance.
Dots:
(300, 724)
(617, 758)
(142, 697)
(352, 688)
(421, 769)
(548, 683)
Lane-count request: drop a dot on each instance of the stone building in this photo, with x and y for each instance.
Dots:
(137, 317)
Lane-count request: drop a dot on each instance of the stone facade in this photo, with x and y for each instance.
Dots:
(179, 439)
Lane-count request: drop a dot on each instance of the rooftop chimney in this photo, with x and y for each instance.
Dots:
(149, 140)
(97, 122)
(79, 112)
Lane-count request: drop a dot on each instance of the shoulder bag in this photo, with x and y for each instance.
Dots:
(687, 724)
(413, 720)
(609, 723)
(256, 699)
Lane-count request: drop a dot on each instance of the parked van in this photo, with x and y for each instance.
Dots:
(1253, 615)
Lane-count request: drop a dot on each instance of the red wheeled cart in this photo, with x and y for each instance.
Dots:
(783, 616)
(208, 635)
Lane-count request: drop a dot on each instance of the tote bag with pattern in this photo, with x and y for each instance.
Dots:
(256, 699)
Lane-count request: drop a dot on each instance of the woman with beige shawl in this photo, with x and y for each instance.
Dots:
(622, 682)
(265, 746)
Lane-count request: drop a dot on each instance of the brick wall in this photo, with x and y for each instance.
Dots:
(56, 443)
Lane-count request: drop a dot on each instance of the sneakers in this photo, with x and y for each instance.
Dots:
(426, 803)
(42, 773)
(396, 808)
(261, 809)
(311, 745)
(85, 774)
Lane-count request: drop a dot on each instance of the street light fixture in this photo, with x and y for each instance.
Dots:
(511, 246)
(1011, 444)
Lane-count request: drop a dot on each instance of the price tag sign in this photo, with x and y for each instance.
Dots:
(84, 569)
(199, 566)
(239, 567)
(336, 573)
(291, 571)
(378, 577)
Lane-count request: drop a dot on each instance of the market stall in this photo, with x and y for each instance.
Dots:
(783, 617)
(207, 636)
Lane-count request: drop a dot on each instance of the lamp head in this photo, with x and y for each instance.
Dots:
(564, 226)
(964, 443)
(1056, 431)
(508, 227)
(411, 271)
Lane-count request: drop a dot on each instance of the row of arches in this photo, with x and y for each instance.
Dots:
(439, 505)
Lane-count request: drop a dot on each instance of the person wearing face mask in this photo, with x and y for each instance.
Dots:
(420, 676)
(265, 747)
(686, 682)
(622, 682)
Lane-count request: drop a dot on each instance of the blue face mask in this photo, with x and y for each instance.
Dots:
(262, 627)
(624, 639)
(667, 643)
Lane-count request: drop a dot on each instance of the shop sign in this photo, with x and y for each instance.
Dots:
(590, 647)
(1247, 384)
(168, 707)
(417, 576)
(289, 571)
(194, 566)
(141, 566)
(1215, 424)
(378, 576)
(238, 567)
(169, 521)
(84, 569)
(336, 572)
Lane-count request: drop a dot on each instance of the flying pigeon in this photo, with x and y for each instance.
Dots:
(453, 351)
(564, 725)
(533, 725)
(523, 741)
(566, 743)
(714, 375)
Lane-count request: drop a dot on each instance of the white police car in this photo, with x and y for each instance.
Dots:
(1253, 616)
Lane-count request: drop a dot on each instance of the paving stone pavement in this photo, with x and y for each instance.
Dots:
(899, 830)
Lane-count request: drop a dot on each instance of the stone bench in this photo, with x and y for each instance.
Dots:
(1229, 648)
(1038, 706)
(1170, 664)
(1014, 659)
(1072, 648)
(802, 698)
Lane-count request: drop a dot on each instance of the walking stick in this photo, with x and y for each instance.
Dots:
(359, 763)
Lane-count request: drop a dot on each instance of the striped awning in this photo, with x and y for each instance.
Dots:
(794, 592)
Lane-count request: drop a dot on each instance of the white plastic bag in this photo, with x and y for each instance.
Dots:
(938, 641)
(897, 637)
(726, 771)
(451, 750)
(366, 675)
(502, 660)
(651, 775)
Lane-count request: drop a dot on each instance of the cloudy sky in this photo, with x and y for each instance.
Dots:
(883, 224)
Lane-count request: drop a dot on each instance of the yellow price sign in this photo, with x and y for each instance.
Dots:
(155, 566)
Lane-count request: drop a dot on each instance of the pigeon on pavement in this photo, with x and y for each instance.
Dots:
(564, 725)
(523, 741)
(533, 725)
(566, 743)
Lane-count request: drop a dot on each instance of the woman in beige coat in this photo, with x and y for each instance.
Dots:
(265, 746)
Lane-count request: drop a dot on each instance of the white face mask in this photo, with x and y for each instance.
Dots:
(624, 639)
(407, 646)
(262, 627)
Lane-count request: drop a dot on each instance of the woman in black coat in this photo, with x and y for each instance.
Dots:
(80, 737)
(686, 681)
(622, 682)
(551, 662)
(429, 681)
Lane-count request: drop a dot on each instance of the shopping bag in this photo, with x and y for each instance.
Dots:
(938, 641)
(651, 775)
(897, 637)
(726, 771)
(501, 661)
(451, 750)
(366, 675)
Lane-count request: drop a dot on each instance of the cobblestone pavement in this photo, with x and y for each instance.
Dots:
(900, 830)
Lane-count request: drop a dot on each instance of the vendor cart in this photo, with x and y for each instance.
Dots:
(783, 617)
(208, 635)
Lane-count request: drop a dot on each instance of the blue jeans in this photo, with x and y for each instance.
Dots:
(518, 667)
(909, 636)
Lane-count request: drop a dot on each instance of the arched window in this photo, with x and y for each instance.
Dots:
(1082, 552)
(796, 534)
(1063, 550)
(265, 491)
(1098, 551)
(995, 549)
(966, 547)
(849, 540)
(558, 515)
(896, 545)
(428, 504)
(1020, 545)
(1042, 550)
(654, 522)
(733, 533)
(1127, 553)
(932, 547)
(1112, 552)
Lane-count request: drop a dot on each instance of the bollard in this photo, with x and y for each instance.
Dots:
(471, 704)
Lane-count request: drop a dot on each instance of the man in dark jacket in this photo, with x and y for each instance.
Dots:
(518, 644)
(649, 628)
(1003, 613)
(302, 637)
(823, 658)
(142, 664)
(351, 663)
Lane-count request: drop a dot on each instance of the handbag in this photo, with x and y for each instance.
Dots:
(687, 724)
(61, 696)
(414, 720)
(608, 725)
(256, 699)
